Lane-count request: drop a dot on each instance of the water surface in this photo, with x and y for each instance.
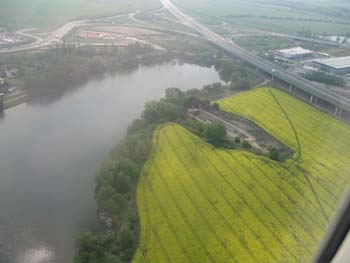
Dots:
(49, 155)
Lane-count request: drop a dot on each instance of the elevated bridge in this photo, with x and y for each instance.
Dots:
(340, 105)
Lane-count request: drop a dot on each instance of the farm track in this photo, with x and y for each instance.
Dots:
(216, 205)
(159, 242)
(320, 178)
(230, 204)
(300, 119)
(188, 224)
(284, 131)
(299, 149)
(201, 214)
(148, 227)
(292, 231)
(294, 185)
(287, 195)
(232, 188)
(300, 152)
(169, 224)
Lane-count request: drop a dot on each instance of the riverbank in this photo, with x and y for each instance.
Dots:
(85, 122)
(47, 75)
(13, 100)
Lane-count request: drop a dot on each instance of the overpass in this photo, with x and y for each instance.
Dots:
(340, 104)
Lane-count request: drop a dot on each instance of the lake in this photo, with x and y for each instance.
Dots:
(49, 155)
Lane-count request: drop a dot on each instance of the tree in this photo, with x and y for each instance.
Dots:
(215, 106)
(274, 154)
(241, 84)
(195, 126)
(123, 183)
(89, 249)
(217, 85)
(111, 201)
(246, 145)
(124, 237)
(151, 113)
(237, 140)
(215, 134)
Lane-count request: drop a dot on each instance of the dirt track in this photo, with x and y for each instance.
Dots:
(243, 128)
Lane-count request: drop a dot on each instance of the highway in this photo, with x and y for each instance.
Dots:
(54, 37)
(262, 64)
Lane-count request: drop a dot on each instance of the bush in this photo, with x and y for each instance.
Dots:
(215, 134)
(274, 154)
(241, 84)
(237, 140)
(246, 145)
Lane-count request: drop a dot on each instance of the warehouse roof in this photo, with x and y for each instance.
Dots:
(337, 63)
(295, 51)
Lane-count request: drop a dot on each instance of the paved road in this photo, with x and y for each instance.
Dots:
(57, 35)
(320, 41)
(256, 61)
(54, 37)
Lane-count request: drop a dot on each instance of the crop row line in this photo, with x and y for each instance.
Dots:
(269, 109)
(233, 208)
(301, 224)
(297, 115)
(293, 184)
(195, 206)
(160, 243)
(264, 205)
(178, 207)
(299, 159)
(168, 222)
(321, 227)
(309, 116)
(324, 178)
(144, 250)
(315, 143)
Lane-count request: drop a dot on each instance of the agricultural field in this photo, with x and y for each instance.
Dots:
(52, 13)
(319, 16)
(198, 203)
(264, 43)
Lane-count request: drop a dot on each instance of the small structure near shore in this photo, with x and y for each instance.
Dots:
(1, 102)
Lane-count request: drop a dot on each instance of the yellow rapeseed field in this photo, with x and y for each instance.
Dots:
(202, 204)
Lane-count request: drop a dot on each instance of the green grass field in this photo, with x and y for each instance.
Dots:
(273, 15)
(198, 203)
(51, 13)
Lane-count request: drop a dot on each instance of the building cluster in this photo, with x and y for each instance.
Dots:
(5, 75)
(338, 39)
(9, 39)
(3, 85)
(293, 53)
(336, 65)
(1, 102)
(314, 61)
(8, 73)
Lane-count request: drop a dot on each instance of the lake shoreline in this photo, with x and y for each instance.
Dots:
(85, 123)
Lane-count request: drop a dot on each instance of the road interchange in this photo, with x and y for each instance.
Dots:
(229, 46)
(340, 102)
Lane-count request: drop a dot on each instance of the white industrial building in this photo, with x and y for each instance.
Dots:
(294, 53)
(339, 65)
